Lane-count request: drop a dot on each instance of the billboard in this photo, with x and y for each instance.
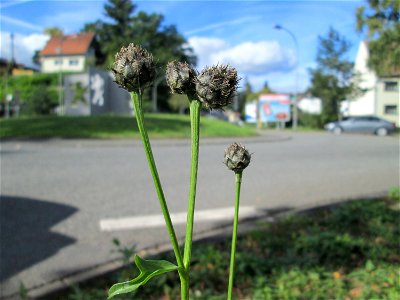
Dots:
(273, 108)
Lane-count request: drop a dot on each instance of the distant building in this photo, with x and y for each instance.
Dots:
(310, 105)
(69, 53)
(14, 69)
(94, 92)
(381, 96)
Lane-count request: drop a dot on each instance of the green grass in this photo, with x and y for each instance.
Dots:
(348, 251)
(158, 126)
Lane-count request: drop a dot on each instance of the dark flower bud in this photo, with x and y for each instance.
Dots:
(133, 68)
(181, 78)
(216, 86)
(237, 158)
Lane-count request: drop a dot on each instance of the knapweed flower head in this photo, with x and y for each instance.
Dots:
(181, 77)
(133, 68)
(216, 86)
(237, 158)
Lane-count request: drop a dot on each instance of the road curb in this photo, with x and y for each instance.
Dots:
(88, 143)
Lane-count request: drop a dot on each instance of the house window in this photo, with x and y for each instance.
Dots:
(391, 109)
(391, 86)
(58, 61)
(73, 62)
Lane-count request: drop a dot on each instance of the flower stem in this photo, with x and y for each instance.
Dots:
(234, 235)
(195, 107)
(136, 100)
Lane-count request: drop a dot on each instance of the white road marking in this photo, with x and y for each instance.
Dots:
(151, 221)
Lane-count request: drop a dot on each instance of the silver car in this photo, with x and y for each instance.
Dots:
(362, 124)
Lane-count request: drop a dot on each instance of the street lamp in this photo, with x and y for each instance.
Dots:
(295, 115)
(154, 93)
(60, 79)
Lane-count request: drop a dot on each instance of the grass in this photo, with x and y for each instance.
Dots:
(158, 126)
(349, 251)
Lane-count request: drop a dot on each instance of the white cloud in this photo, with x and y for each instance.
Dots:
(21, 23)
(24, 46)
(223, 24)
(259, 62)
(204, 47)
(249, 58)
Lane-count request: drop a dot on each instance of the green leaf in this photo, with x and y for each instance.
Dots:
(148, 269)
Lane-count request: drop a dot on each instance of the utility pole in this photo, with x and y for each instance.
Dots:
(154, 93)
(60, 79)
(295, 110)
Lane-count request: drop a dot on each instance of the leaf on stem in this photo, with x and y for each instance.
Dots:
(148, 269)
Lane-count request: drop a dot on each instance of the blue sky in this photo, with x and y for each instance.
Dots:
(237, 32)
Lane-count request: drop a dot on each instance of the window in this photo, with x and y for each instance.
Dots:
(391, 86)
(73, 62)
(58, 61)
(391, 109)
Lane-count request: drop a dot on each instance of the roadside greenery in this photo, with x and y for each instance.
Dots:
(158, 126)
(345, 251)
(36, 94)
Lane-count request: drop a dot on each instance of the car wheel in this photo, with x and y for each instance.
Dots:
(337, 131)
(381, 131)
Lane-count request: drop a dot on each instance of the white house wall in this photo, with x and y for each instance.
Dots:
(364, 104)
(74, 63)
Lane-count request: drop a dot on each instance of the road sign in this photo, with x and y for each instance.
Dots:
(273, 108)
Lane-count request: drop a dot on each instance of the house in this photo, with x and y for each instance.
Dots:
(68, 53)
(381, 95)
(14, 69)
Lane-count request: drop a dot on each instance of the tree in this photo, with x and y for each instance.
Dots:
(332, 79)
(36, 57)
(148, 30)
(380, 22)
(53, 31)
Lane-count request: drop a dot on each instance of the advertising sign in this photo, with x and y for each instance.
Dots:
(273, 108)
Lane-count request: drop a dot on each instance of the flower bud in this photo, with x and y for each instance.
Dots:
(133, 68)
(237, 158)
(216, 86)
(180, 78)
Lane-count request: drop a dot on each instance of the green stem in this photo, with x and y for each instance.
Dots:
(234, 235)
(195, 107)
(136, 99)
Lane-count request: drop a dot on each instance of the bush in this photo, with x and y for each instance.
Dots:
(310, 121)
(42, 101)
(29, 89)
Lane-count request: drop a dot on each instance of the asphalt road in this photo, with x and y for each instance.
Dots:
(54, 194)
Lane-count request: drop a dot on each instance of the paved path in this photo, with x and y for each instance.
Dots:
(56, 193)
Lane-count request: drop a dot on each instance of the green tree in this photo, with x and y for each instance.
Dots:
(126, 26)
(53, 31)
(36, 57)
(179, 103)
(380, 22)
(332, 79)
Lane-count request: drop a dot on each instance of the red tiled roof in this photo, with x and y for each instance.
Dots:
(69, 44)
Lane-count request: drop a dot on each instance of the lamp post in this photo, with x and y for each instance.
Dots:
(154, 93)
(60, 79)
(295, 112)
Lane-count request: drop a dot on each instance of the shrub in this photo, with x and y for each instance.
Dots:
(42, 101)
(309, 120)
(29, 89)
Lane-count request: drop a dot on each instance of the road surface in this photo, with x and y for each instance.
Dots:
(63, 201)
